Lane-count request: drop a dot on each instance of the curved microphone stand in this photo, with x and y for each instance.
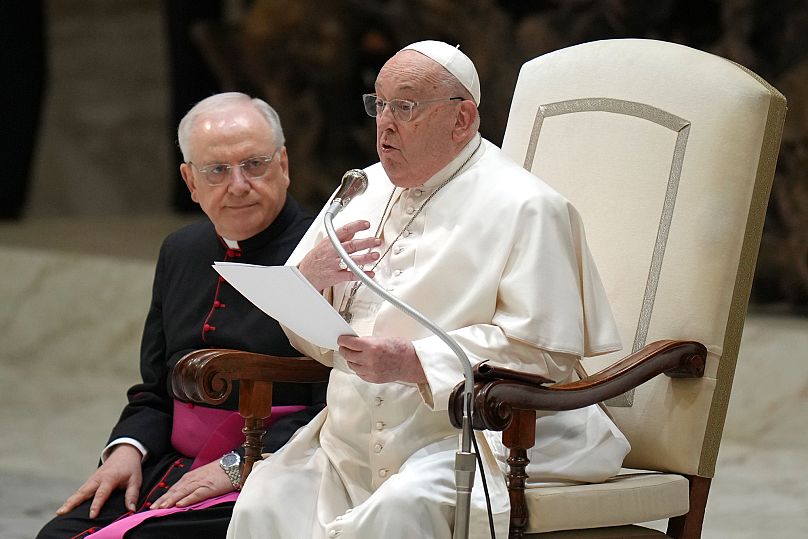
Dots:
(354, 183)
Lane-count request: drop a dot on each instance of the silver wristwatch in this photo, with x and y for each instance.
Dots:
(231, 464)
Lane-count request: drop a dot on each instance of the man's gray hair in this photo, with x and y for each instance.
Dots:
(220, 100)
(455, 88)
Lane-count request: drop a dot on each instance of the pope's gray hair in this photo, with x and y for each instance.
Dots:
(222, 100)
(448, 81)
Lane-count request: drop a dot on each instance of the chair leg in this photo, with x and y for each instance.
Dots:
(253, 437)
(255, 405)
(518, 438)
(688, 526)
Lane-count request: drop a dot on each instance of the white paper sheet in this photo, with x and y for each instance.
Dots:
(284, 294)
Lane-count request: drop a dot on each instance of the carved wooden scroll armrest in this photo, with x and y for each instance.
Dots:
(499, 391)
(207, 376)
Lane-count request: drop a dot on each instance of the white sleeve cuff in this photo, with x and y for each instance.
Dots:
(118, 441)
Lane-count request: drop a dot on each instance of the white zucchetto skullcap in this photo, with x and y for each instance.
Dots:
(455, 62)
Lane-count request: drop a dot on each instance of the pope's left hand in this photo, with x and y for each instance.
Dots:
(382, 359)
(196, 486)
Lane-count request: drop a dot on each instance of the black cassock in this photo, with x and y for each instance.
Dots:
(192, 308)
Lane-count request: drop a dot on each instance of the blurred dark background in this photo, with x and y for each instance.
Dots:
(99, 86)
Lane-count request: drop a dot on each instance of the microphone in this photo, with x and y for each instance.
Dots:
(354, 183)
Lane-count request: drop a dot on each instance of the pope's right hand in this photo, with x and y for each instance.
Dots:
(321, 266)
(122, 469)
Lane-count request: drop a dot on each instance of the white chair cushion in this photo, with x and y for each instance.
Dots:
(612, 532)
(633, 496)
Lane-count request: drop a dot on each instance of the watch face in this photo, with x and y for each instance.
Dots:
(230, 460)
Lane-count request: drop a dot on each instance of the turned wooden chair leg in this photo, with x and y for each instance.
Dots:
(255, 405)
(518, 438)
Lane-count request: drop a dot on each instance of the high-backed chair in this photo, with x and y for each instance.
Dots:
(669, 154)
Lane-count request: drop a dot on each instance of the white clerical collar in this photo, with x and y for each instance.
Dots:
(451, 168)
(232, 244)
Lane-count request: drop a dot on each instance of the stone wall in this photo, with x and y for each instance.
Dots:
(105, 141)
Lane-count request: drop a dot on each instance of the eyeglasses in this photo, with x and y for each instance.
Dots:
(402, 108)
(253, 168)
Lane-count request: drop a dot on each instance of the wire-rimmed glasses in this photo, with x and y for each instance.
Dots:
(253, 168)
(402, 109)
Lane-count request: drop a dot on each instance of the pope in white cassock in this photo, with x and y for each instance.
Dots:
(488, 252)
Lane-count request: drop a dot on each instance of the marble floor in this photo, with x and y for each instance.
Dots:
(70, 325)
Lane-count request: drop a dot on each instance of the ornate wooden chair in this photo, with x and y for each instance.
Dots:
(669, 154)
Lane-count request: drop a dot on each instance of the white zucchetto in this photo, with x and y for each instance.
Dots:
(455, 62)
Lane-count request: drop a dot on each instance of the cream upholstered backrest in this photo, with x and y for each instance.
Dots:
(668, 153)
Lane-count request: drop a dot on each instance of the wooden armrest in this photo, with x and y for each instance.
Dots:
(485, 371)
(496, 396)
(207, 376)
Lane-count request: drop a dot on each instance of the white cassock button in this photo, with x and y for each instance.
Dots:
(410, 210)
(334, 533)
(407, 233)
(397, 250)
(377, 448)
(379, 401)
(417, 192)
(397, 273)
(379, 425)
(383, 472)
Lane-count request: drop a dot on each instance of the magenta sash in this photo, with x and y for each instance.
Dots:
(205, 434)
(208, 433)
(117, 529)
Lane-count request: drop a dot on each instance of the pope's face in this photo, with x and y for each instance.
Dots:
(240, 207)
(412, 152)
